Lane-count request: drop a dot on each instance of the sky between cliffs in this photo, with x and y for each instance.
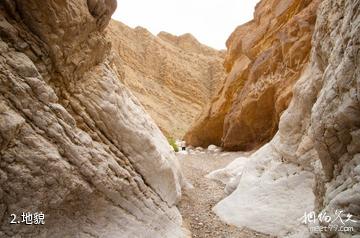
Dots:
(211, 21)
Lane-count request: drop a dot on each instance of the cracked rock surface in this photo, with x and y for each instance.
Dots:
(265, 57)
(312, 163)
(75, 144)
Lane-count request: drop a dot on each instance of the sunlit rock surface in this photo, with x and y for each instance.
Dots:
(312, 163)
(75, 144)
(172, 76)
(265, 57)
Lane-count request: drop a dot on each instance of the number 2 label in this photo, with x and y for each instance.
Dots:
(13, 220)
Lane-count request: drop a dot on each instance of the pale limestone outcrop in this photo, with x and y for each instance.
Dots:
(75, 144)
(265, 57)
(313, 161)
(172, 76)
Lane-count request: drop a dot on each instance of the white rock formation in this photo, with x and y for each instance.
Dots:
(267, 195)
(230, 174)
(214, 149)
(74, 143)
(313, 161)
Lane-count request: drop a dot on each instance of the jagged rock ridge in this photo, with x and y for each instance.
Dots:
(172, 76)
(75, 144)
(265, 57)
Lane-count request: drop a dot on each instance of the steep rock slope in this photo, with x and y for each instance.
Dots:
(313, 162)
(265, 58)
(75, 144)
(172, 76)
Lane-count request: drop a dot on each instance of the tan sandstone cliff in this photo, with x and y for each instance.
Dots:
(172, 76)
(75, 144)
(265, 57)
(313, 162)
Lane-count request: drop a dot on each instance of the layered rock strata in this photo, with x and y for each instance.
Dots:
(313, 162)
(172, 76)
(265, 57)
(75, 144)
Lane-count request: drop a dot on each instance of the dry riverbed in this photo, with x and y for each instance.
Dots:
(197, 203)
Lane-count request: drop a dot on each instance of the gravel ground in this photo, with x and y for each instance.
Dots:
(197, 203)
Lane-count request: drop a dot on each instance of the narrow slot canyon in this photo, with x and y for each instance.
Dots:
(113, 131)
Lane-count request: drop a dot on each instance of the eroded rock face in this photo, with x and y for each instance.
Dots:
(75, 144)
(172, 76)
(265, 57)
(313, 161)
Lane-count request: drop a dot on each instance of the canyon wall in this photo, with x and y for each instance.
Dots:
(75, 144)
(265, 57)
(172, 76)
(313, 162)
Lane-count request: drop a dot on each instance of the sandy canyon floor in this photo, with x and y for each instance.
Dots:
(197, 203)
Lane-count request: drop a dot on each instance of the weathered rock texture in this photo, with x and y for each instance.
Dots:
(313, 162)
(172, 76)
(74, 143)
(265, 58)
